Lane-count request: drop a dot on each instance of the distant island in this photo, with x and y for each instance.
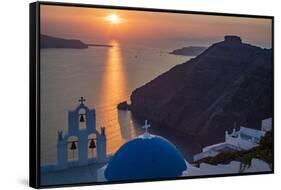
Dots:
(230, 82)
(55, 42)
(100, 45)
(189, 51)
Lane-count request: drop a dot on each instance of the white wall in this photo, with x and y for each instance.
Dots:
(14, 92)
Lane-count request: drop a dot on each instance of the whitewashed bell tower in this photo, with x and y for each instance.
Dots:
(85, 117)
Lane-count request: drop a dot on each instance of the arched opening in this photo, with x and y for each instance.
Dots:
(72, 148)
(92, 145)
(82, 118)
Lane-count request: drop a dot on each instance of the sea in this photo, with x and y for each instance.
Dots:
(104, 76)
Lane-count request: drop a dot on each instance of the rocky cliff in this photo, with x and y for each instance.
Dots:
(229, 82)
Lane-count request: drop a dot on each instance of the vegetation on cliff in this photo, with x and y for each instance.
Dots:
(263, 152)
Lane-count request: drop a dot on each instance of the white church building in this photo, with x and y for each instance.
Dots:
(82, 137)
(147, 156)
(243, 139)
(150, 156)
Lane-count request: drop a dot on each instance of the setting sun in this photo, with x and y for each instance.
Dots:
(113, 18)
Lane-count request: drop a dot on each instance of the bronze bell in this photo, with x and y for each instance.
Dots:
(92, 144)
(73, 146)
(82, 118)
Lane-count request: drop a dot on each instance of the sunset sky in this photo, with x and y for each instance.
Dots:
(93, 25)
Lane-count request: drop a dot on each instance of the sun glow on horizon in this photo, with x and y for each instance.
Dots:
(113, 18)
(150, 27)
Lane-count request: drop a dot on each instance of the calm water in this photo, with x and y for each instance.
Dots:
(105, 77)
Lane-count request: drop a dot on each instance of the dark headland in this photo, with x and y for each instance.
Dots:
(189, 51)
(55, 42)
(229, 82)
(123, 106)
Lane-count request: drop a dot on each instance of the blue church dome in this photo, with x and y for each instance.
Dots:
(147, 156)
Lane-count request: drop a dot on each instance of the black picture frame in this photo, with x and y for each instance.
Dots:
(34, 91)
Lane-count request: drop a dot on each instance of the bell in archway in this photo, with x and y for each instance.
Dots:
(82, 118)
(73, 146)
(92, 144)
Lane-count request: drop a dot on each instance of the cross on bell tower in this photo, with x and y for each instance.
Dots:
(146, 133)
(82, 100)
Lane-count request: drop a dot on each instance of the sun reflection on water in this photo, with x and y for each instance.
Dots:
(113, 91)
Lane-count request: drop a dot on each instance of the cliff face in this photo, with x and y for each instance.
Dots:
(230, 81)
